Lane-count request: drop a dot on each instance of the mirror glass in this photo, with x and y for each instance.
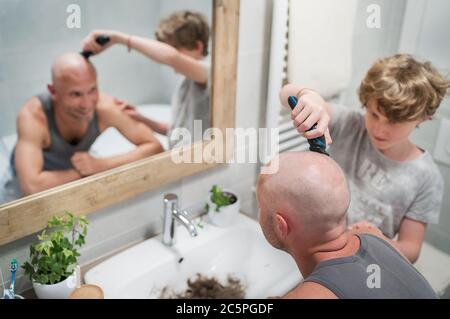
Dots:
(65, 117)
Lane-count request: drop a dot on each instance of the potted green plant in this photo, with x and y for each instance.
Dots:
(54, 258)
(222, 206)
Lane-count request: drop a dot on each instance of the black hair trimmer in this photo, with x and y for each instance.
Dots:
(101, 39)
(317, 144)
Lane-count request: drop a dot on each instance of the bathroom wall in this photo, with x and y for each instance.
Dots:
(137, 219)
(425, 34)
(33, 33)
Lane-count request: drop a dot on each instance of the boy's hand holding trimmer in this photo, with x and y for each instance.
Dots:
(310, 110)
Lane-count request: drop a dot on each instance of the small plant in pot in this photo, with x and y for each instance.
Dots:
(222, 206)
(54, 258)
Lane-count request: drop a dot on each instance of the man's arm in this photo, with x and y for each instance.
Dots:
(29, 160)
(310, 290)
(136, 132)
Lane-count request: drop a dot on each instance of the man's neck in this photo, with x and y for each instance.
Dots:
(345, 245)
(69, 128)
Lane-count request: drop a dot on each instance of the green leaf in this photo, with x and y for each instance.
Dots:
(67, 253)
(29, 270)
(46, 247)
(71, 268)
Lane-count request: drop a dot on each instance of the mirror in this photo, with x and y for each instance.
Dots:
(89, 194)
(67, 119)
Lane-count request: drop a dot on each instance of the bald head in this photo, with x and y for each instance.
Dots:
(71, 66)
(310, 189)
(74, 89)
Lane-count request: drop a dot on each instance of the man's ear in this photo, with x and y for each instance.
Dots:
(51, 88)
(281, 226)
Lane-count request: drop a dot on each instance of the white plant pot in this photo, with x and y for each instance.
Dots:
(226, 215)
(61, 290)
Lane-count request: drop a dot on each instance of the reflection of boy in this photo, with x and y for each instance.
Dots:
(394, 184)
(182, 44)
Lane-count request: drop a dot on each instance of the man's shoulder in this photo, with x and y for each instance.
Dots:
(32, 113)
(107, 104)
(310, 290)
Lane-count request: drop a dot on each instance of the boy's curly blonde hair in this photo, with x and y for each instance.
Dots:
(404, 88)
(184, 29)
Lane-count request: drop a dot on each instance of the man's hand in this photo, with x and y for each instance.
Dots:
(87, 165)
(311, 109)
(365, 227)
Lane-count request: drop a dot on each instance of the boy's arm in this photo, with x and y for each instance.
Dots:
(410, 238)
(311, 109)
(158, 127)
(158, 51)
(29, 159)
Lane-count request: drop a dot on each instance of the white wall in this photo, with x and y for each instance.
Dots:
(426, 34)
(139, 218)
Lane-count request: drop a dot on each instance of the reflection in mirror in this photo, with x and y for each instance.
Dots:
(143, 76)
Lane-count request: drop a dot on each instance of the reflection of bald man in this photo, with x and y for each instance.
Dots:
(303, 212)
(56, 129)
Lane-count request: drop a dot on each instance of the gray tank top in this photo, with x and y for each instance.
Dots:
(58, 155)
(354, 277)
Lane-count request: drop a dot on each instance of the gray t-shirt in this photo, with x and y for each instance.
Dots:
(191, 102)
(383, 191)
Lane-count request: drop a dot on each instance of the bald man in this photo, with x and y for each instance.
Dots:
(57, 128)
(303, 212)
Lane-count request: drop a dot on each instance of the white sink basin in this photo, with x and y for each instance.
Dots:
(241, 250)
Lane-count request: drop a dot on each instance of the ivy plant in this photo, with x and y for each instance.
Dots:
(55, 256)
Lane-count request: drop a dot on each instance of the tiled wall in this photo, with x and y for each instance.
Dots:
(137, 219)
(33, 33)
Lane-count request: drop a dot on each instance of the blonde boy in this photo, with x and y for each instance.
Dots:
(394, 184)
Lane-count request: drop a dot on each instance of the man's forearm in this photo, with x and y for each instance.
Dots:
(49, 179)
(141, 151)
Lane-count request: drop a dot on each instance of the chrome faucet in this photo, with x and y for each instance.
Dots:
(172, 212)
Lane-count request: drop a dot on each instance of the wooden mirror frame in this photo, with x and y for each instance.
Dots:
(30, 214)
